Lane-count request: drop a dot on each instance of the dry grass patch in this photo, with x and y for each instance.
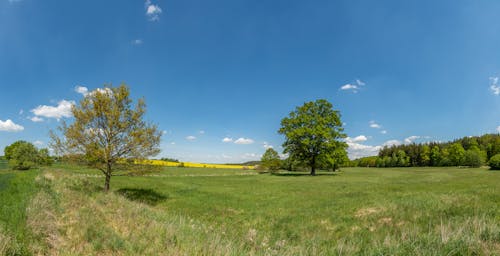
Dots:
(364, 212)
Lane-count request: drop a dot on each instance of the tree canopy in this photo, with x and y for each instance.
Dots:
(107, 130)
(23, 155)
(271, 160)
(313, 132)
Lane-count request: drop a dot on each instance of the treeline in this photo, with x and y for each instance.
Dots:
(468, 151)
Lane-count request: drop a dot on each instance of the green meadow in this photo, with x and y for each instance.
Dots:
(61, 210)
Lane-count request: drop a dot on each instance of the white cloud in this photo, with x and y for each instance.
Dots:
(137, 41)
(498, 129)
(153, 11)
(21, 112)
(410, 139)
(357, 150)
(244, 141)
(392, 143)
(172, 143)
(201, 132)
(191, 138)
(227, 139)
(38, 143)
(495, 89)
(359, 138)
(349, 87)
(9, 126)
(494, 85)
(267, 145)
(82, 90)
(63, 109)
(373, 124)
(383, 132)
(36, 119)
(354, 87)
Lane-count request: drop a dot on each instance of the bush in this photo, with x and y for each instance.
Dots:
(494, 162)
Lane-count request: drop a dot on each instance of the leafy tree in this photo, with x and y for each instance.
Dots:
(312, 130)
(473, 158)
(334, 160)
(22, 155)
(494, 162)
(425, 156)
(457, 154)
(107, 129)
(271, 160)
(435, 156)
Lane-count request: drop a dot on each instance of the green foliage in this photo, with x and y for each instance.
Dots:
(456, 154)
(24, 155)
(494, 162)
(453, 153)
(271, 160)
(107, 129)
(167, 159)
(313, 131)
(474, 157)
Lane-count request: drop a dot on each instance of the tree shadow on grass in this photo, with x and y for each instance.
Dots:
(147, 196)
(301, 174)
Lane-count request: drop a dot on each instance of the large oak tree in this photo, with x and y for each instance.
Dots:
(313, 131)
(108, 130)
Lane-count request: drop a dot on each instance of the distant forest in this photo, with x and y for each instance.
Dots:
(474, 151)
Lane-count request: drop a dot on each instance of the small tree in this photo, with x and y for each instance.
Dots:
(271, 160)
(494, 162)
(108, 129)
(312, 130)
(22, 155)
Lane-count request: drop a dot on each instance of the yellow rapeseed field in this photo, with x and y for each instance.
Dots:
(197, 165)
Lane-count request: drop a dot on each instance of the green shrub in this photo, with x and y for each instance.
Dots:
(494, 162)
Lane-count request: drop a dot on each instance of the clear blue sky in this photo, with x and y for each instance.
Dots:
(397, 70)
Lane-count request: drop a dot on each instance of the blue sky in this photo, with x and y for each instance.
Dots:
(398, 71)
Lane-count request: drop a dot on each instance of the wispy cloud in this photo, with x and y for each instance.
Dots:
(36, 119)
(153, 11)
(266, 145)
(38, 143)
(411, 139)
(137, 42)
(354, 87)
(375, 125)
(9, 126)
(498, 129)
(191, 138)
(383, 131)
(63, 109)
(494, 85)
(244, 141)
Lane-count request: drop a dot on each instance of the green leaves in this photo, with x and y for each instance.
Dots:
(313, 130)
(107, 129)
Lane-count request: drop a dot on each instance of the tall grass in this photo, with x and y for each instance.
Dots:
(16, 190)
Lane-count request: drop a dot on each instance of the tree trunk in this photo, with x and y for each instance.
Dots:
(106, 183)
(313, 166)
(108, 177)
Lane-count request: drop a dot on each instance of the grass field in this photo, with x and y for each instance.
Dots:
(183, 211)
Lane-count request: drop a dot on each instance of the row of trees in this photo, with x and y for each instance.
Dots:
(23, 155)
(467, 151)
